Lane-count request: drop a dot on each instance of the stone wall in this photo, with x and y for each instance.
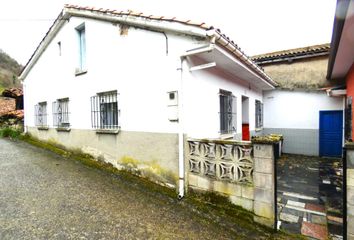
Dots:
(239, 170)
(350, 191)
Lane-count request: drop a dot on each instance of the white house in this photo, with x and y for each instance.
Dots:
(128, 88)
(306, 109)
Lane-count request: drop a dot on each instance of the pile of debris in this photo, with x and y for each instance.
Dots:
(11, 107)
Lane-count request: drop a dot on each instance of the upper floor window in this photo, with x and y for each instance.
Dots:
(104, 110)
(41, 114)
(61, 113)
(82, 48)
(227, 112)
(259, 114)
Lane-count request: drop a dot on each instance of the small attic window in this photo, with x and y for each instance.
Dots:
(59, 48)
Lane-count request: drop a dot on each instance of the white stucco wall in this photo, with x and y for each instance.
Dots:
(201, 94)
(295, 109)
(137, 67)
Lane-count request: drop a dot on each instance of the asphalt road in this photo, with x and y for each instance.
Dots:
(46, 196)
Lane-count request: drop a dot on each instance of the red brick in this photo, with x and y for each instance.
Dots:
(314, 230)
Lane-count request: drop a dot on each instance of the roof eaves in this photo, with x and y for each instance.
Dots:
(225, 42)
(292, 54)
(54, 28)
(338, 24)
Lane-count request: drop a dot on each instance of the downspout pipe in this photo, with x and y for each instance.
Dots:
(181, 168)
(181, 178)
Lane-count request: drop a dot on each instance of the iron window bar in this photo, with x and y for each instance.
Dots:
(259, 114)
(61, 113)
(227, 112)
(104, 111)
(41, 114)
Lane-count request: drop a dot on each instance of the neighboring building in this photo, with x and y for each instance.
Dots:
(341, 70)
(300, 108)
(130, 89)
(11, 107)
(15, 93)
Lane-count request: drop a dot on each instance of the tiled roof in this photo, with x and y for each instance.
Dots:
(285, 55)
(221, 38)
(140, 14)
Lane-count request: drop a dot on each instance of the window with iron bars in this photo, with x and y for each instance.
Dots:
(40, 111)
(104, 110)
(227, 112)
(259, 114)
(61, 113)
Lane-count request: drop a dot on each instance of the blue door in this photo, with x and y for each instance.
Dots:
(331, 133)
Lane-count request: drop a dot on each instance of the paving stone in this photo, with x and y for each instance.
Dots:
(293, 212)
(315, 207)
(289, 217)
(314, 230)
(296, 204)
(321, 220)
(335, 219)
(291, 227)
(335, 229)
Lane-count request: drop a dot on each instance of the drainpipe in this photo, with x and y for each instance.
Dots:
(180, 137)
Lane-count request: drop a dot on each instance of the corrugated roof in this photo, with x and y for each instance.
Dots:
(285, 55)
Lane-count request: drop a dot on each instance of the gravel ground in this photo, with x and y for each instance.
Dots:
(46, 196)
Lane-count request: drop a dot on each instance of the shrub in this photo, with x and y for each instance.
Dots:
(10, 132)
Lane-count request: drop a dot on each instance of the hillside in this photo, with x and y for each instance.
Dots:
(9, 71)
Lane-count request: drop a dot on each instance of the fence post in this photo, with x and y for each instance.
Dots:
(264, 184)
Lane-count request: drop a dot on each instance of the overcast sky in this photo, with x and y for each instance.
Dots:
(257, 26)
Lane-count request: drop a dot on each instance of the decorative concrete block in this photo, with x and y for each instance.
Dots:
(263, 165)
(242, 202)
(263, 180)
(264, 209)
(263, 195)
(263, 151)
(230, 189)
(247, 192)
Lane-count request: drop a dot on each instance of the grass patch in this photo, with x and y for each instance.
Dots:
(9, 132)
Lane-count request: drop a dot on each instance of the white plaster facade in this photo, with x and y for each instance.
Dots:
(143, 69)
(297, 109)
(143, 59)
